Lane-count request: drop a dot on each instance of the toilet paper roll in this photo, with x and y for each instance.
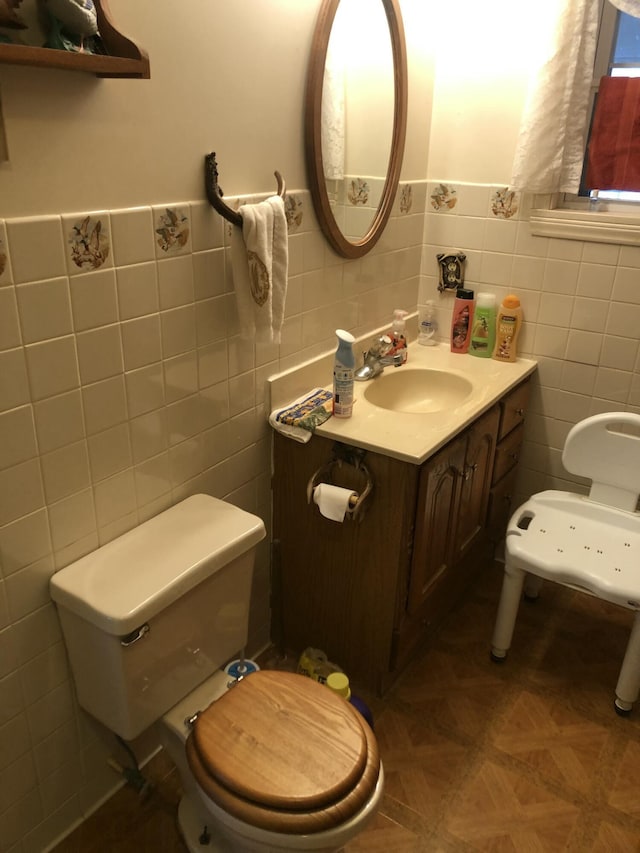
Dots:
(332, 501)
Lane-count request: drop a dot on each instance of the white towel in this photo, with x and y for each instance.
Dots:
(259, 257)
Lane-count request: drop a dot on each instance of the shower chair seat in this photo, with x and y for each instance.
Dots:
(588, 543)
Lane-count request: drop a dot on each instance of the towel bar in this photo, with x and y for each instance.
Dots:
(214, 193)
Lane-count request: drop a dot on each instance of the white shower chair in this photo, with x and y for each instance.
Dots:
(591, 544)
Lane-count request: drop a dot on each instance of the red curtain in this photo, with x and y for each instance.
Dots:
(613, 156)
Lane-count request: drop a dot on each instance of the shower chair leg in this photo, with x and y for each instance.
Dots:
(510, 596)
(628, 685)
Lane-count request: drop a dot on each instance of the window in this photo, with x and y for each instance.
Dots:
(607, 216)
(617, 55)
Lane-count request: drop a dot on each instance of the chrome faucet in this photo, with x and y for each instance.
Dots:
(377, 357)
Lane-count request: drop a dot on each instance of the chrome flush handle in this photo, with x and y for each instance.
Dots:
(135, 635)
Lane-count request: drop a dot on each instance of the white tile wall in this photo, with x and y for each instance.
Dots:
(582, 322)
(123, 389)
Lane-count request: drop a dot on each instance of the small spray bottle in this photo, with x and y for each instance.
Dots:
(343, 370)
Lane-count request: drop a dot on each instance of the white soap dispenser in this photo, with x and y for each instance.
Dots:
(427, 324)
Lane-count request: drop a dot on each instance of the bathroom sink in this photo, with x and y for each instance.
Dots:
(417, 391)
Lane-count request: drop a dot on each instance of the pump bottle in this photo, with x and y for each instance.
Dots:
(427, 323)
(399, 335)
(343, 370)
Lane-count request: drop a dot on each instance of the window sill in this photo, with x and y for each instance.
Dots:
(589, 226)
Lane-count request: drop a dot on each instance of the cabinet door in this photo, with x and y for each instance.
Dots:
(438, 497)
(476, 481)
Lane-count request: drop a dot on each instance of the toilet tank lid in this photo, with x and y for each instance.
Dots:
(129, 580)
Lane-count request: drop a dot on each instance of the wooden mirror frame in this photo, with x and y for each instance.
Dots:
(313, 130)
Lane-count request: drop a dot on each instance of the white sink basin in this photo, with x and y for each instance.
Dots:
(418, 390)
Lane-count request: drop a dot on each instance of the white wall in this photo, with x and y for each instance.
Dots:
(483, 54)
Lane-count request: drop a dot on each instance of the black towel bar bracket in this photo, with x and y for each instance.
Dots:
(214, 193)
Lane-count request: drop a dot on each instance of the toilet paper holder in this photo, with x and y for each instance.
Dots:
(324, 474)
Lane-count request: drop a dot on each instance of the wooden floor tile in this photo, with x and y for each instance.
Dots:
(498, 809)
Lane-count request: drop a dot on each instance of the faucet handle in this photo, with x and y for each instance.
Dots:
(380, 346)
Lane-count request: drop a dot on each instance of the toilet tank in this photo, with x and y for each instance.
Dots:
(153, 613)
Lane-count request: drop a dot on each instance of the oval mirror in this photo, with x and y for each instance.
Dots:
(355, 119)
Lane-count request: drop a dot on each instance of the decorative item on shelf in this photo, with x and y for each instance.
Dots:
(73, 26)
(451, 265)
(115, 54)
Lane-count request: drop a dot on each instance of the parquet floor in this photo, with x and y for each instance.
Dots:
(522, 757)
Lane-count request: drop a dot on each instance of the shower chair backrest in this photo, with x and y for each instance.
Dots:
(606, 449)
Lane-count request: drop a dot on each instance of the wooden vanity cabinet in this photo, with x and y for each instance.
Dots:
(365, 592)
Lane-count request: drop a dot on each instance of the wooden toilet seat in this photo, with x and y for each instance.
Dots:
(285, 754)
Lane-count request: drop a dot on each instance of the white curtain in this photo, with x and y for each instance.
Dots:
(333, 114)
(550, 149)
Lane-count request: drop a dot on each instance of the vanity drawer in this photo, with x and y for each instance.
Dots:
(507, 454)
(513, 408)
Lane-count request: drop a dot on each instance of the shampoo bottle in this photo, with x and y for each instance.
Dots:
(343, 369)
(461, 320)
(483, 328)
(507, 329)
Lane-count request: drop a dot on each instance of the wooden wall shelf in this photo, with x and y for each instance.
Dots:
(125, 58)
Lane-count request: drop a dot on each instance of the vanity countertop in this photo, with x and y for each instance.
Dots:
(406, 436)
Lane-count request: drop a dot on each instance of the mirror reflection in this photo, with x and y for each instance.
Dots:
(357, 115)
(356, 119)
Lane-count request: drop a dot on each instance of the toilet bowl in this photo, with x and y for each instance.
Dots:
(277, 761)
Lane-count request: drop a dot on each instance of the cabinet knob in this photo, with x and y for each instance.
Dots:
(520, 413)
(469, 471)
(514, 456)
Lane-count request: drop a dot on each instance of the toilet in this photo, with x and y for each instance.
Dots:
(272, 761)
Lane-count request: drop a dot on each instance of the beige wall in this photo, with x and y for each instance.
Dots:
(225, 77)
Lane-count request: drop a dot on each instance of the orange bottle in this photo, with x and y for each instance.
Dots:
(508, 325)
